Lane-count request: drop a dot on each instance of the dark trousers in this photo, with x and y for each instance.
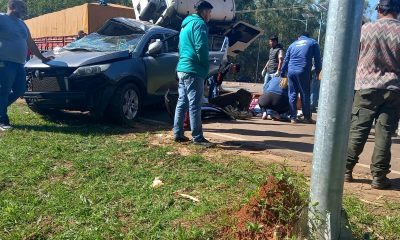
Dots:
(299, 82)
(273, 101)
(369, 105)
(12, 86)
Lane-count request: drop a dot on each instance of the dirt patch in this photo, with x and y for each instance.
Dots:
(360, 188)
(266, 215)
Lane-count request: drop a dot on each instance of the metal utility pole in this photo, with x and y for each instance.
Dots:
(305, 22)
(333, 123)
(321, 9)
(306, 16)
(320, 27)
(258, 59)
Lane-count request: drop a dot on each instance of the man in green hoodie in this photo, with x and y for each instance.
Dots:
(192, 71)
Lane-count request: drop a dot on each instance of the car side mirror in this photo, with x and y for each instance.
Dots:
(155, 48)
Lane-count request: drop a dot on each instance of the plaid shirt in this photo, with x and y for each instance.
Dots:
(379, 60)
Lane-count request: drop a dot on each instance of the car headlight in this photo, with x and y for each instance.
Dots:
(90, 70)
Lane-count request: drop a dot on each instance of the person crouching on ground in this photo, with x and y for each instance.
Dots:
(192, 70)
(15, 41)
(275, 98)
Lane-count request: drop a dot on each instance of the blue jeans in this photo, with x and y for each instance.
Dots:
(12, 86)
(315, 85)
(191, 92)
(299, 82)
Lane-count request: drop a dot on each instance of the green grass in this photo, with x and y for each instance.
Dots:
(379, 222)
(81, 180)
(75, 179)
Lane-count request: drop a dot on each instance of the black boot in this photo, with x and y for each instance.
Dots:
(348, 176)
(381, 182)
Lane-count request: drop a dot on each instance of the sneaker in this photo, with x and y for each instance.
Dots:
(308, 121)
(381, 182)
(181, 139)
(5, 127)
(294, 121)
(300, 114)
(264, 116)
(348, 176)
(204, 142)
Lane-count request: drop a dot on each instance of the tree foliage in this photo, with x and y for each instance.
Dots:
(279, 18)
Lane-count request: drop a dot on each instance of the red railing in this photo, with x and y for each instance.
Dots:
(49, 43)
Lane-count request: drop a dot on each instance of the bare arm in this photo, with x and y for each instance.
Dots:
(266, 65)
(280, 60)
(264, 71)
(35, 50)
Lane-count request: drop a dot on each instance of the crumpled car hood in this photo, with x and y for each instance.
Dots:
(76, 59)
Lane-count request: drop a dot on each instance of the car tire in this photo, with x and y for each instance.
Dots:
(125, 104)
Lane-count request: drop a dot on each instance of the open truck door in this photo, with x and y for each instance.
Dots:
(241, 35)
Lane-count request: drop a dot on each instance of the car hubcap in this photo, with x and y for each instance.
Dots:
(131, 104)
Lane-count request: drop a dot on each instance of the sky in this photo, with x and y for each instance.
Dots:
(373, 3)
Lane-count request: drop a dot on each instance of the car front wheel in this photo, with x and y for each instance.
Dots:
(125, 104)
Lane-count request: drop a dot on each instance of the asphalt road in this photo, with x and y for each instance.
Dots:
(279, 137)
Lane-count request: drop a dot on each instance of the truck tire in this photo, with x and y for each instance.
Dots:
(125, 104)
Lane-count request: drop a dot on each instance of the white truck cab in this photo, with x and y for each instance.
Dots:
(170, 14)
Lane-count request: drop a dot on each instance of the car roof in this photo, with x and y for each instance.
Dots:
(145, 26)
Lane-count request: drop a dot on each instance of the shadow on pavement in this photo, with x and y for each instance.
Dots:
(252, 121)
(267, 145)
(395, 183)
(259, 133)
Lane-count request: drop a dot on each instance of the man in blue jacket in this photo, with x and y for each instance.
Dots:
(298, 64)
(192, 70)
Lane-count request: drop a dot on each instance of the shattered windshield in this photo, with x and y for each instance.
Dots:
(100, 43)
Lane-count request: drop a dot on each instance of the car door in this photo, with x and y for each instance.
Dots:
(160, 68)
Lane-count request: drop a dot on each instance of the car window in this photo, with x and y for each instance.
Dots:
(172, 43)
(101, 43)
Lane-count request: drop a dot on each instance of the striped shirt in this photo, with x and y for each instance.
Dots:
(379, 60)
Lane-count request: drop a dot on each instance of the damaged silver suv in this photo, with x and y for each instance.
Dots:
(115, 72)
